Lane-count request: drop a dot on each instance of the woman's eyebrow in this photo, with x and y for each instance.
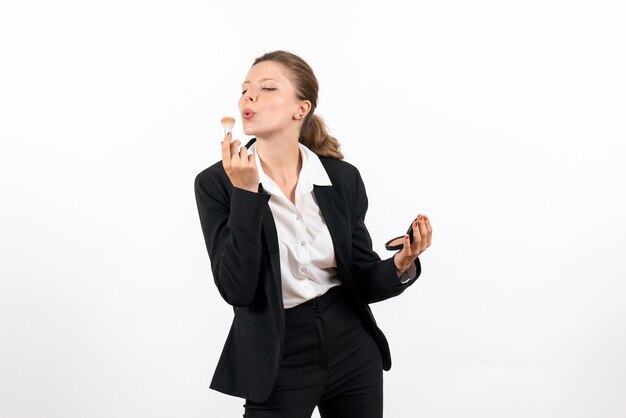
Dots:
(263, 79)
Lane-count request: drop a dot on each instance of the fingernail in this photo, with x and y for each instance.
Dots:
(419, 216)
(425, 217)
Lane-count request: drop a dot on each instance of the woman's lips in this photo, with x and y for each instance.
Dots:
(247, 114)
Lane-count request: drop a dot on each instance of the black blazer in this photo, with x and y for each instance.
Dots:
(242, 243)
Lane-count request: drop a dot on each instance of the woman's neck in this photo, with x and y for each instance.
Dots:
(280, 159)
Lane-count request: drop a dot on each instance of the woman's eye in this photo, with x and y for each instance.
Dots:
(264, 89)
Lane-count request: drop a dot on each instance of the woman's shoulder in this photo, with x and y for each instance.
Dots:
(339, 170)
(213, 176)
(335, 165)
(215, 169)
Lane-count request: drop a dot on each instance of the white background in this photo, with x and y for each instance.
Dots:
(503, 121)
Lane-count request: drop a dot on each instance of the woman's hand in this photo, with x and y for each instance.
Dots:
(239, 166)
(422, 235)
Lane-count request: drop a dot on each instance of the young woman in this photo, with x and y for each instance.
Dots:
(283, 221)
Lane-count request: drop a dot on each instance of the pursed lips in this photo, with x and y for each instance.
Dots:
(247, 114)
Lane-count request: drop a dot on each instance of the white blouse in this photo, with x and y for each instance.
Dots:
(307, 259)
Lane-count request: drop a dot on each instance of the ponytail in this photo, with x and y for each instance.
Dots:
(314, 135)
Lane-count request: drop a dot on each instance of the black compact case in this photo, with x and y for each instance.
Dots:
(400, 246)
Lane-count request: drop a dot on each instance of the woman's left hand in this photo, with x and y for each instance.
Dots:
(422, 235)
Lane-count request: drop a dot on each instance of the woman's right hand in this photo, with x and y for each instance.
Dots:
(239, 166)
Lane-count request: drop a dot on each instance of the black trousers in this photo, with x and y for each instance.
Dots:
(329, 360)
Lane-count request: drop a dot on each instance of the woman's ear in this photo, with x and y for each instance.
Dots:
(303, 109)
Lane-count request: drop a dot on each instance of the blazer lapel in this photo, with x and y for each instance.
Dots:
(338, 228)
(271, 242)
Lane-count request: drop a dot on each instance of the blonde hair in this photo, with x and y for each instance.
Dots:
(314, 133)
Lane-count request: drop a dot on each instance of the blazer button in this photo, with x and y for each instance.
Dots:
(314, 304)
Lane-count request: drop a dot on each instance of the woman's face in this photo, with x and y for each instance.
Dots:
(268, 103)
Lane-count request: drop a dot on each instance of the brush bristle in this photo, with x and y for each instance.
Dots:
(228, 123)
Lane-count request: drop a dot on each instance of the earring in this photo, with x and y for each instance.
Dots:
(299, 116)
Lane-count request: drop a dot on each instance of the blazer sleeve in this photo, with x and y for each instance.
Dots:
(376, 279)
(231, 224)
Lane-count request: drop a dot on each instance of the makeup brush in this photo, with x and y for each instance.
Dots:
(228, 123)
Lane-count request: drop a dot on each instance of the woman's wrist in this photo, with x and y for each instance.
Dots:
(401, 268)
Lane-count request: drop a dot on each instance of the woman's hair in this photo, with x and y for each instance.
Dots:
(314, 133)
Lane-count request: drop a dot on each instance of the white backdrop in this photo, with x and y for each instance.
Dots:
(503, 121)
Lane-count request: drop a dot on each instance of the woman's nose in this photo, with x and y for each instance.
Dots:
(250, 97)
